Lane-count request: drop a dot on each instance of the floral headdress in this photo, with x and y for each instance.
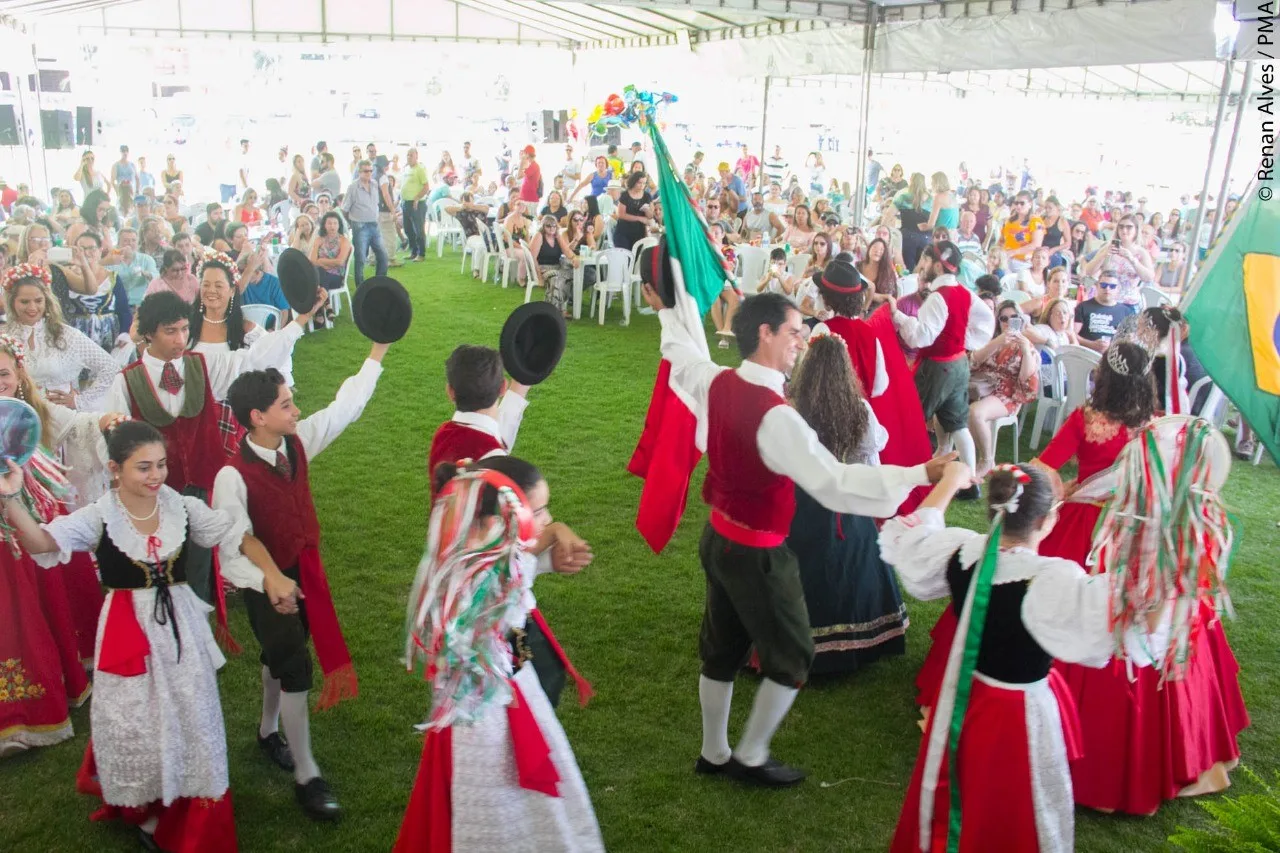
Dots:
(22, 272)
(15, 346)
(223, 261)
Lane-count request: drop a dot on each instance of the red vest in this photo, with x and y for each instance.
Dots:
(738, 484)
(281, 511)
(454, 442)
(193, 444)
(861, 342)
(950, 342)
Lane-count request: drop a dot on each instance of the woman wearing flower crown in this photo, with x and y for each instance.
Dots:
(158, 755)
(497, 772)
(1144, 741)
(48, 620)
(57, 354)
(992, 771)
(855, 609)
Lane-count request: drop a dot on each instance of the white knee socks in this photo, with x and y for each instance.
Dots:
(296, 719)
(773, 700)
(716, 698)
(964, 444)
(270, 704)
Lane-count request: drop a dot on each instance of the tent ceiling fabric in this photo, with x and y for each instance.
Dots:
(743, 38)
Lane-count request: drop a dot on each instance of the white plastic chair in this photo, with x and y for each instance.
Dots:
(908, 284)
(997, 424)
(751, 263)
(502, 269)
(613, 275)
(469, 249)
(797, 264)
(1077, 365)
(1053, 396)
(335, 295)
(1214, 408)
(266, 316)
(531, 279)
(1153, 298)
(449, 229)
(636, 250)
(1017, 297)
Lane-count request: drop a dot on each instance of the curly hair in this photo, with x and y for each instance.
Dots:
(827, 394)
(1129, 397)
(53, 322)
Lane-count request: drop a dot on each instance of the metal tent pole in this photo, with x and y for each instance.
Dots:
(44, 151)
(1245, 88)
(864, 112)
(764, 132)
(1194, 248)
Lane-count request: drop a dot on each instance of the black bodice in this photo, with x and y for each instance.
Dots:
(1008, 652)
(119, 571)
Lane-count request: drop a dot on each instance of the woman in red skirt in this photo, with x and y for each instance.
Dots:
(1143, 743)
(1000, 780)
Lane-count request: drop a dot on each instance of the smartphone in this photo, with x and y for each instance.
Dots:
(59, 254)
(1015, 325)
(1115, 244)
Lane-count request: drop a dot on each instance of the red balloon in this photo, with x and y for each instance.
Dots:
(614, 105)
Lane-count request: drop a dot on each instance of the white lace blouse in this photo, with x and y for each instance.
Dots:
(180, 517)
(55, 367)
(251, 337)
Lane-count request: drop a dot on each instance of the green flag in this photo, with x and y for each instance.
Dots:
(1233, 307)
(687, 238)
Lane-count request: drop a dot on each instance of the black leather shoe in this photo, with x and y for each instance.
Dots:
(972, 493)
(708, 768)
(274, 748)
(772, 774)
(147, 841)
(317, 800)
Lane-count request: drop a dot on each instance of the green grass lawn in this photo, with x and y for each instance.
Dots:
(630, 622)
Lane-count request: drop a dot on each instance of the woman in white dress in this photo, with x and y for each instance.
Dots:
(57, 355)
(497, 772)
(158, 754)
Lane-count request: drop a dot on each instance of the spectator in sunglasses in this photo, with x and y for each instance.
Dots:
(1097, 319)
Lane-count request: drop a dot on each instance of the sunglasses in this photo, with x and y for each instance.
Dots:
(1109, 285)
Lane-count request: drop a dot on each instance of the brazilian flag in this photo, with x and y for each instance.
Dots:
(1234, 311)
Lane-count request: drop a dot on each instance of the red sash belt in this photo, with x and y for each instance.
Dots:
(322, 619)
(735, 532)
(534, 767)
(124, 646)
(585, 691)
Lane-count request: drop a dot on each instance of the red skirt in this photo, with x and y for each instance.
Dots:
(929, 679)
(998, 806)
(187, 825)
(1143, 743)
(84, 596)
(33, 696)
(428, 819)
(55, 606)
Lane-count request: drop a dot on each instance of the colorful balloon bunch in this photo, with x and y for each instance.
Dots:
(631, 107)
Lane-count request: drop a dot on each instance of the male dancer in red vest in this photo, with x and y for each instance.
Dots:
(267, 483)
(758, 451)
(174, 390)
(952, 321)
(489, 410)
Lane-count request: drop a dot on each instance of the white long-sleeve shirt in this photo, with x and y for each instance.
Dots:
(923, 329)
(58, 367)
(273, 350)
(316, 433)
(881, 382)
(505, 428)
(788, 446)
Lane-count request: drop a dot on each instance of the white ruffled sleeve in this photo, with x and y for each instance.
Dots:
(209, 528)
(79, 531)
(1066, 612)
(919, 546)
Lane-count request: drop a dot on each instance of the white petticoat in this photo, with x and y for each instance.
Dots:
(160, 735)
(492, 812)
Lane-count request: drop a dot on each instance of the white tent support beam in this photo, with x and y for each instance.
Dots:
(536, 19)
(273, 36)
(1194, 242)
(636, 22)
(833, 10)
(1242, 103)
(864, 117)
(552, 14)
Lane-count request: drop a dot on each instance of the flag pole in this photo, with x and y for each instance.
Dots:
(1193, 288)
(1243, 102)
(1223, 92)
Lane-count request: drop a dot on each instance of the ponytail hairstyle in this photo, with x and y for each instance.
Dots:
(26, 390)
(827, 394)
(124, 439)
(1155, 323)
(1123, 388)
(1026, 494)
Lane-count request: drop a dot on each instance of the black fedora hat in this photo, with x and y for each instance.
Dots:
(382, 309)
(839, 277)
(298, 280)
(532, 342)
(655, 270)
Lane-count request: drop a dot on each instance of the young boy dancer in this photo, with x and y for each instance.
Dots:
(267, 484)
(489, 409)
